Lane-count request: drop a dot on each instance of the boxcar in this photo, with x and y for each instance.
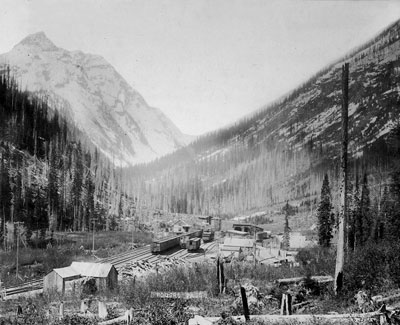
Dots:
(263, 235)
(208, 235)
(198, 233)
(163, 244)
(186, 237)
(193, 244)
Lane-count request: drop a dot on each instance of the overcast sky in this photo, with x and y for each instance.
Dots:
(205, 63)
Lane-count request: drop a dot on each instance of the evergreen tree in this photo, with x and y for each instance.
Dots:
(52, 187)
(325, 215)
(5, 191)
(392, 203)
(376, 221)
(89, 184)
(393, 208)
(365, 205)
(288, 210)
(351, 219)
(357, 215)
(286, 233)
(384, 213)
(77, 188)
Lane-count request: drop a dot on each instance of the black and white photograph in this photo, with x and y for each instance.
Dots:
(199, 162)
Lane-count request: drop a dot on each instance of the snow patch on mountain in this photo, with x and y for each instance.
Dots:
(115, 117)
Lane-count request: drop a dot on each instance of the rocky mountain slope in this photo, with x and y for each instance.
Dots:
(115, 117)
(283, 151)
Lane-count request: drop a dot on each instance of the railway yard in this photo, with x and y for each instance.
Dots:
(135, 262)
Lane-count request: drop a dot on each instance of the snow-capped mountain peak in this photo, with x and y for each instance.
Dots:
(115, 117)
(38, 41)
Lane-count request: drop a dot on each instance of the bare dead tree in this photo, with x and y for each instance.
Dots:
(338, 284)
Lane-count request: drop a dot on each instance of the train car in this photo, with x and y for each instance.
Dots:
(263, 235)
(193, 244)
(208, 235)
(163, 244)
(197, 233)
(186, 237)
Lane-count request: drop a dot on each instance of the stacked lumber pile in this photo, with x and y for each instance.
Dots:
(139, 268)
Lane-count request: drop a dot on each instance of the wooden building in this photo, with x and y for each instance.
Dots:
(247, 227)
(105, 275)
(56, 280)
(180, 227)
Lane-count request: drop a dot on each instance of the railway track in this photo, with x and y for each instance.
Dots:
(126, 257)
(27, 286)
(138, 254)
(207, 247)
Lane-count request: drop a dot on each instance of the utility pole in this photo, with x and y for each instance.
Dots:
(132, 237)
(255, 244)
(17, 224)
(94, 223)
(338, 284)
(133, 230)
(309, 184)
(4, 230)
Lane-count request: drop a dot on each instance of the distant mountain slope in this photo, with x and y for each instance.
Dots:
(312, 112)
(90, 91)
(49, 179)
(282, 152)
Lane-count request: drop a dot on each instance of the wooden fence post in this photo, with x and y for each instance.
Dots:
(245, 305)
(286, 304)
(222, 277)
(218, 277)
(61, 310)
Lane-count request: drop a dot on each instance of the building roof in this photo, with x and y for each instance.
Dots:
(97, 270)
(205, 217)
(227, 248)
(297, 240)
(238, 242)
(67, 272)
(230, 254)
(237, 232)
(180, 222)
(250, 225)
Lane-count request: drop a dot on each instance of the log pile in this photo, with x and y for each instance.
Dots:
(139, 268)
(319, 279)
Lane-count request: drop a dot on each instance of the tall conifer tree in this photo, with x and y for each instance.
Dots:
(325, 215)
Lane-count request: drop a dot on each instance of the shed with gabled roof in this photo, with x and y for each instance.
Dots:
(105, 275)
(55, 280)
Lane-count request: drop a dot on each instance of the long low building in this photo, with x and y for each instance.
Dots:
(237, 244)
(247, 227)
(104, 274)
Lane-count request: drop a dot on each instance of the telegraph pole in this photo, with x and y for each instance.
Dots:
(133, 228)
(133, 224)
(17, 224)
(4, 230)
(255, 245)
(338, 284)
(94, 223)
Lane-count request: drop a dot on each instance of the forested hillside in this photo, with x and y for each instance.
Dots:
(51, 176)
(283, 151)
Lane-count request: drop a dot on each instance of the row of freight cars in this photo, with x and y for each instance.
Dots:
(188, 241)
